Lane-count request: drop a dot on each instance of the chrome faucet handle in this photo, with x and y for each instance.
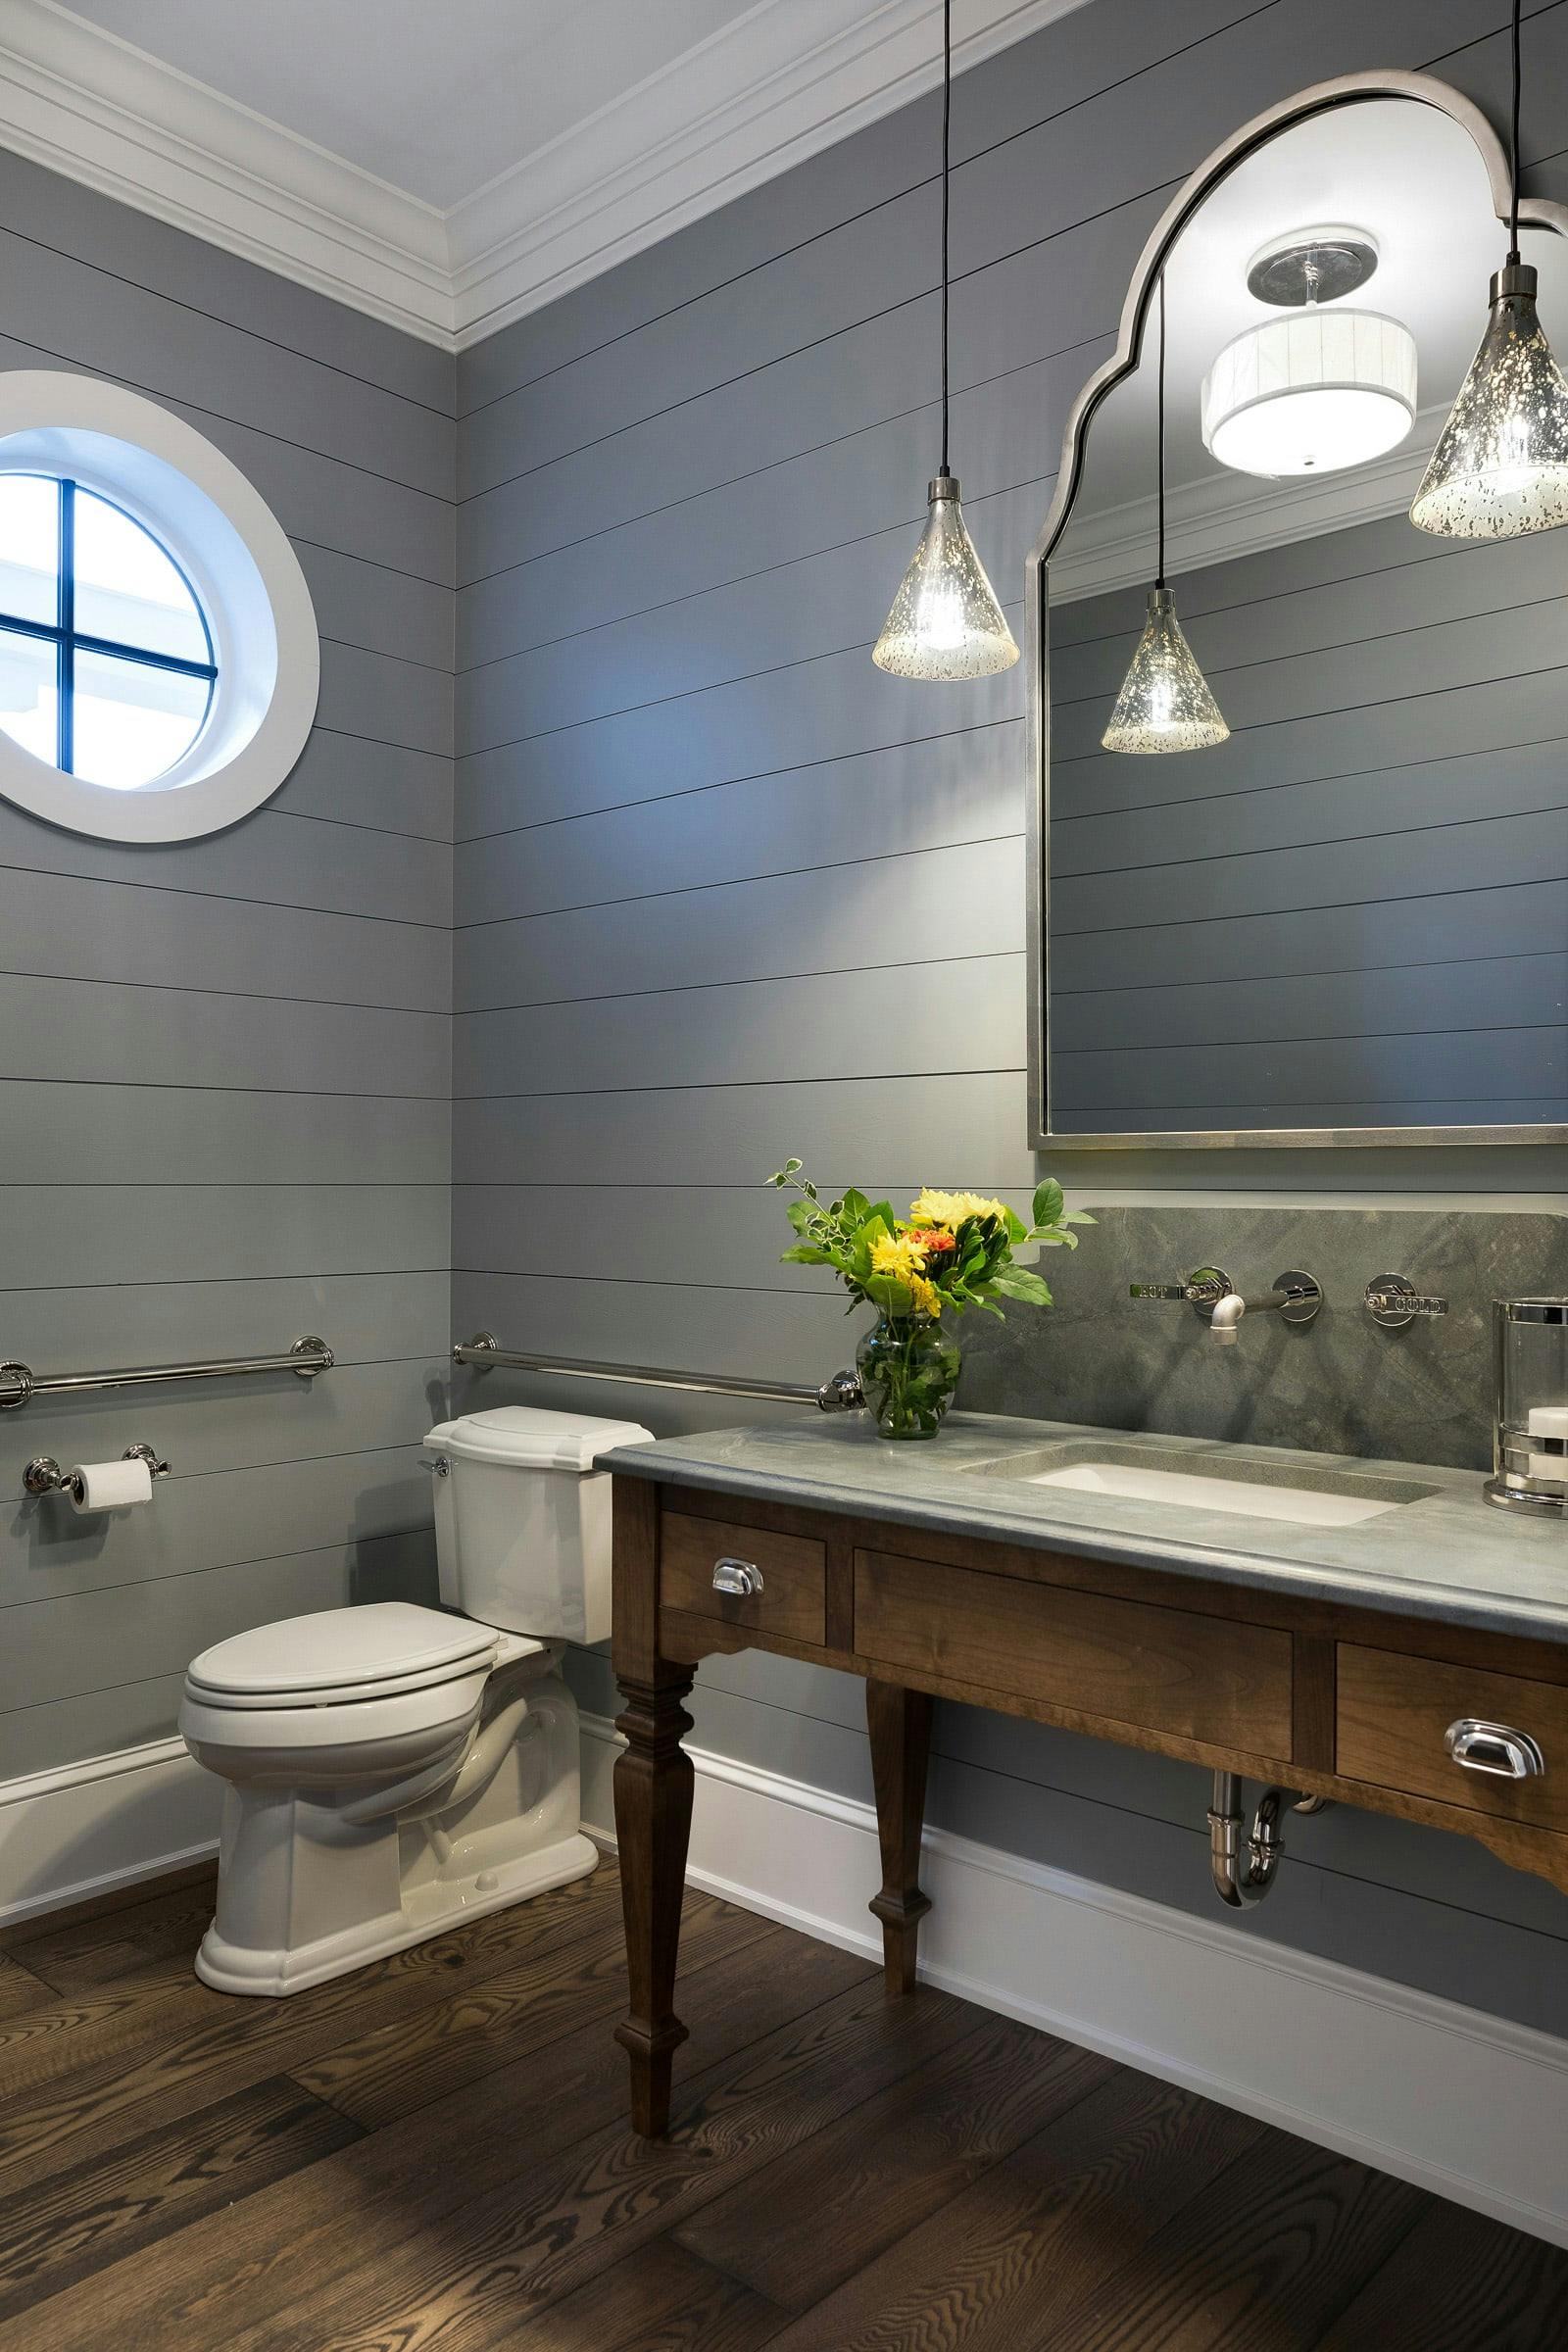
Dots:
(1393, 1300)
(1203, 1288)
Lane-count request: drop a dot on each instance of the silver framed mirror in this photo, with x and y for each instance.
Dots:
(1348, 924)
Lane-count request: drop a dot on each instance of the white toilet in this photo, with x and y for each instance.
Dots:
(391, 1769)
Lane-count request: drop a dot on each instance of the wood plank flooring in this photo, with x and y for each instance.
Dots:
(433, 2153)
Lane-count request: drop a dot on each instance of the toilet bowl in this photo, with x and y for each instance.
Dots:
(391, 1769)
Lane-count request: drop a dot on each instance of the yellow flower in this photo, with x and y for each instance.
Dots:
(901, 1257)
(948, 1209)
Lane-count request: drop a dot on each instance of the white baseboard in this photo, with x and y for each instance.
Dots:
(89, 1828)
(1469, 2106)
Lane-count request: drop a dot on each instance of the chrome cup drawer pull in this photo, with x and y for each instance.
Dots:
(742, 1579)
(1496, 1748)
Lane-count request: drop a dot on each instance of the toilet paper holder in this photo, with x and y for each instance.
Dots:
(44, 1476)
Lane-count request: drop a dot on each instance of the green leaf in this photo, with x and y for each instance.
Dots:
(1014, 1283)
(1048, 1202)
(807, 1254)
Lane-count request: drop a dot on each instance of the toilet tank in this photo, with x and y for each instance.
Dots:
(523, 1519)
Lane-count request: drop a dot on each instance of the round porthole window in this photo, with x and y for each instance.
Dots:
(158, 660)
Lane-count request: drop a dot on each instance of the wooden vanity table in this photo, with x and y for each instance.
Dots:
(1276, 1669)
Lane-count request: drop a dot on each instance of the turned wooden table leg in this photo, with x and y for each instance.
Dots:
(900, 1724)
(652, 1824)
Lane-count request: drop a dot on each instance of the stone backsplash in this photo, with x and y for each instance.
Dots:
(1341, 1385)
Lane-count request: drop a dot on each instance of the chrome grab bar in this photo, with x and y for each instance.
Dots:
(19, 1383)
(484, 1352)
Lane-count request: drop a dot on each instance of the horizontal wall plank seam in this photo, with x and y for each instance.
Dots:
(692, 988)
(772, 873)
(245, 995)
(1331, 971)
(1338, 775)
(835, 334)
(643, 1282)
(179, 1086)
(759, 775)
(283, 1461)
(863, 212)
(1333, 644)
(1334, 711)
(692, 693)
(183, 1576)
(177, 1282)
(398, 571)
(1315, 841)
(1333, 1037)
(234, 898)
(906, 521)
(199, 407)
(753, 473)
(1316, 906)
(251, 334)
(720, 1086)
(440, 669)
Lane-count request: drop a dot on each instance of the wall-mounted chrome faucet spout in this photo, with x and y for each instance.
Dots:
(1295, 1298)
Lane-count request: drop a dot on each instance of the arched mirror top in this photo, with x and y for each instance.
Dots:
(1225, 948)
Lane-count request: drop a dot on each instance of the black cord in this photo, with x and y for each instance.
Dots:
(947, 120)
(1513, 217)
(1160, 575)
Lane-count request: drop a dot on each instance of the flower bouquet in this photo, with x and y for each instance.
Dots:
(952, 1250)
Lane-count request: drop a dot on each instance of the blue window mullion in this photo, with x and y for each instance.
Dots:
(68, 627)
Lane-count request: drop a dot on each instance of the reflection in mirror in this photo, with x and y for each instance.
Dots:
(1349, 920)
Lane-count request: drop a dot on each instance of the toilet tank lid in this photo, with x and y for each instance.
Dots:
(533, 1440)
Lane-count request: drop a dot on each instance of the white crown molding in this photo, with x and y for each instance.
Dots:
(1235, 515)
(784, 81)
(769, 90)
(103, 113)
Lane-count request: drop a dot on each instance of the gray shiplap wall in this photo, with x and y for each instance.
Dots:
(224, 1067)
(723, 891)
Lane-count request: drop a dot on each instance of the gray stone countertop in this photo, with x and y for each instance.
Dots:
(1445, 1553)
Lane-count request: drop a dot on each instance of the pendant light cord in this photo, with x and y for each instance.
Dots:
(1159, 380)
(1513, 216)
(946, 123)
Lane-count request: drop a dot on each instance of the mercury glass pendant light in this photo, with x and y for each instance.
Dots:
(946, 622)
(1500, 467)
(1164, 704)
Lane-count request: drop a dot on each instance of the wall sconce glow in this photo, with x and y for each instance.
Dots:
(1165, 704)
(1500, 467)
(1312, 394)
(946, 622)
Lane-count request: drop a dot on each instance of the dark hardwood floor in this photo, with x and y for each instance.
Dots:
(434, 2153)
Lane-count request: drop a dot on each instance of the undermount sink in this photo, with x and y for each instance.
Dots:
(1209, 1481)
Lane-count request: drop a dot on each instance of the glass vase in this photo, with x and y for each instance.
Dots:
(909, 1368)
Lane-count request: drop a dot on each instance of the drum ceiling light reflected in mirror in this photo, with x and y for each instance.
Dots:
(946, 622)
(1500, 467)
(1327, 389)
(1165, 704)
(106, 661)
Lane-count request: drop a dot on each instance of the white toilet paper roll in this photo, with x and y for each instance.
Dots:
(109, 1486)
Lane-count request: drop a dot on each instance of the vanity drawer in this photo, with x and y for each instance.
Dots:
(1125, 1661)
(791, 1572)
(1393, 1717)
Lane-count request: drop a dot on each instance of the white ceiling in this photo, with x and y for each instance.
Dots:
(437, 100)
(450, 165)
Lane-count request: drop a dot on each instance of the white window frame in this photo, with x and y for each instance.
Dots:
(223, 534)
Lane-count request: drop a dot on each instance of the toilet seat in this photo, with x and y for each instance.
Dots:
(347, 1658)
